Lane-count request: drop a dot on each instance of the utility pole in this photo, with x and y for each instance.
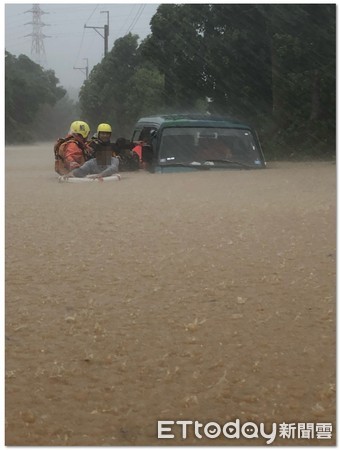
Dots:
(84, 68)
(37, 48)
(106, 32)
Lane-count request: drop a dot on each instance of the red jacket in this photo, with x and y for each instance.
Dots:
(73, 152)
(138, 149)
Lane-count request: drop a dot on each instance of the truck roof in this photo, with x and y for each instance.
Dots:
(191, 120)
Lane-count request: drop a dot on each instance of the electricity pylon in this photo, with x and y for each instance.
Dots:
(37, 48)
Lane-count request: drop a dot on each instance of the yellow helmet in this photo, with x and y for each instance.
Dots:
(104, 127)
(79, 127)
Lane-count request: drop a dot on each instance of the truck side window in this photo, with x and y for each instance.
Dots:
(146, 134)
(136, 135)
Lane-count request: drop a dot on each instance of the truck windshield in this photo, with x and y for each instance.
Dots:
(187, 145)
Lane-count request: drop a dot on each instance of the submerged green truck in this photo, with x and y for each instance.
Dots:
(197, 142)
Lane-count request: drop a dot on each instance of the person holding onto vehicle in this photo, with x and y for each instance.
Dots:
(102, 164)
(71, 152)
(128, 158)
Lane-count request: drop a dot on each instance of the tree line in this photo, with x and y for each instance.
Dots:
(271, 65)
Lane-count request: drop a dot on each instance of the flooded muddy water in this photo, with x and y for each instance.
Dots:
(203, 296)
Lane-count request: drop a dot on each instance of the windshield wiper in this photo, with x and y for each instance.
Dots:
(194, 166)
(227, 161)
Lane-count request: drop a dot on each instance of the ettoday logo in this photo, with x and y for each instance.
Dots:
(213, 430)
(248, 430)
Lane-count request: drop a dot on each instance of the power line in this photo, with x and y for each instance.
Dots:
(136, 18)
(81, 44)
(122, 27)
(83, 35)
(93, 12)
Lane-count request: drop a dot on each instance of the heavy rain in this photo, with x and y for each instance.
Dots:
(174, 305)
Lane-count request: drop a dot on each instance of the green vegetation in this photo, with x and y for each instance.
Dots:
(271, 65)
(27, 88)
(121, 88)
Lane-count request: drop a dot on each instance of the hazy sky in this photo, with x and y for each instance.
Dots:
(70, 43)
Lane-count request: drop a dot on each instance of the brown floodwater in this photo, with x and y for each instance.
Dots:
(202, 296)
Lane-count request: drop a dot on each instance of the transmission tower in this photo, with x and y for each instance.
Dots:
(37, 48)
